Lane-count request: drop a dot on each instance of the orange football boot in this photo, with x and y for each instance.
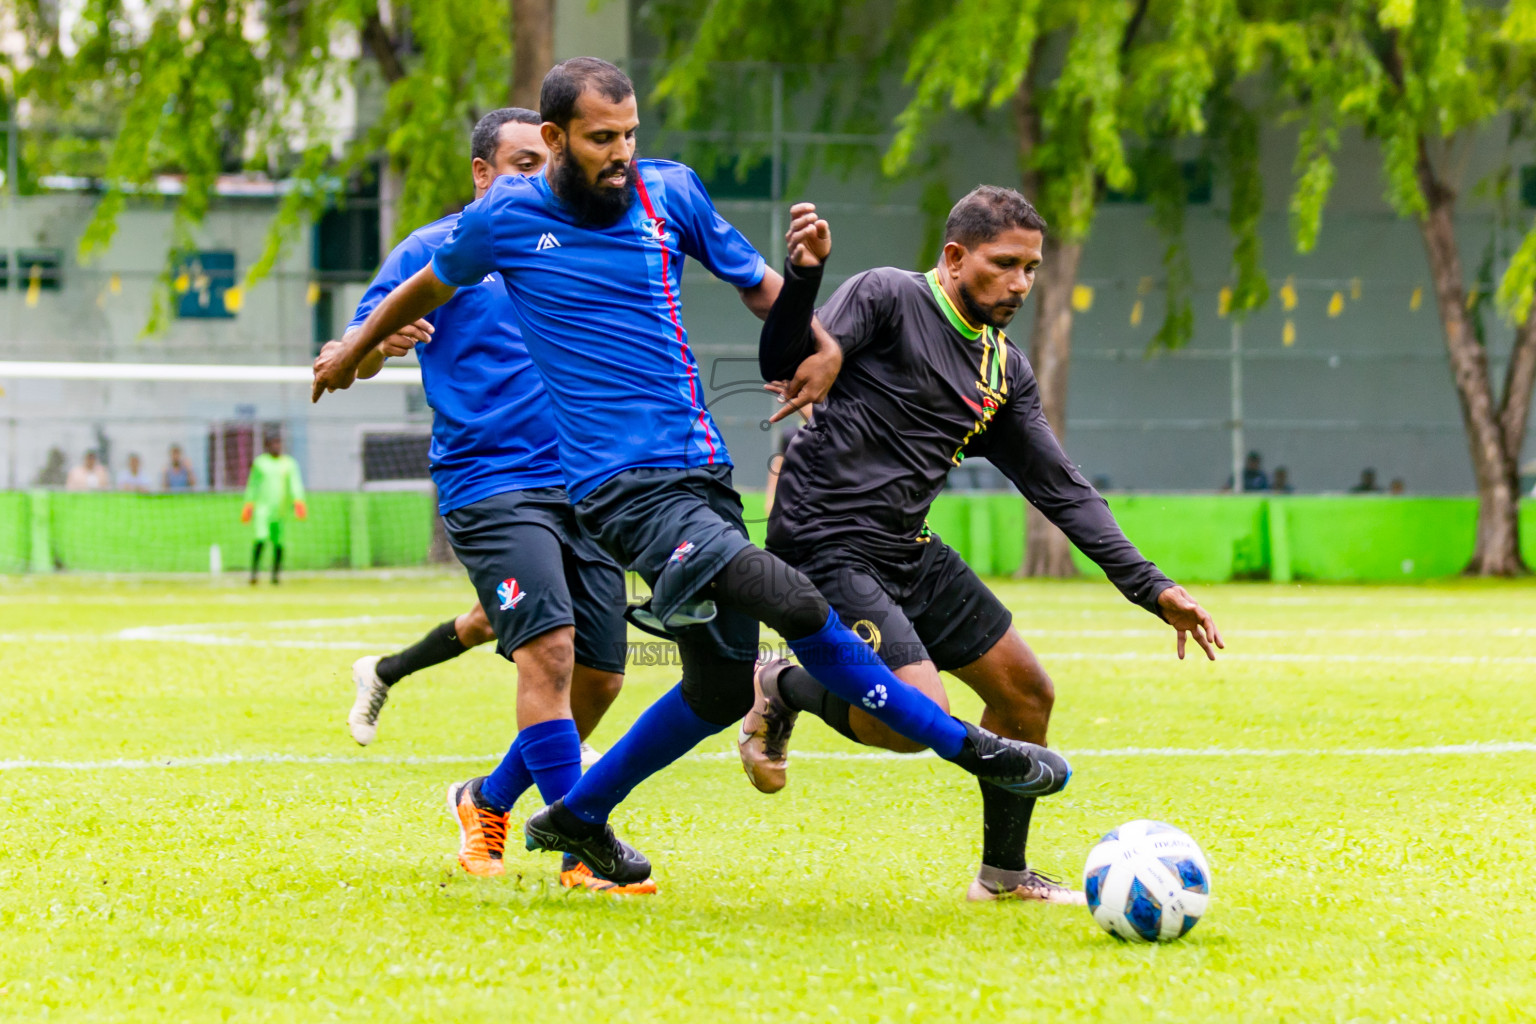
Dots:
(482, 832)
(576, 875)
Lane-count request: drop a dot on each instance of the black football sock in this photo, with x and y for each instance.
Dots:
(802, 692)
(277, 560)
(439, 645)
(1005, 827)
(256, 559)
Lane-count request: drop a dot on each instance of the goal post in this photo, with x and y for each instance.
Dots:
(142, 467)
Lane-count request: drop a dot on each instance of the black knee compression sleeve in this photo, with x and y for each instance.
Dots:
(775, 593)
(800, 690)
(716, 688)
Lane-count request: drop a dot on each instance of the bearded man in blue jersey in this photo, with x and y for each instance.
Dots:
(553, 598)
(591, 252)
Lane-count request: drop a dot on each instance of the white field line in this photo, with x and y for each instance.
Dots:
(174, 635)
(332, 760)
(1293, 634)
(226, 634)
(183, 634)
(1331, 659)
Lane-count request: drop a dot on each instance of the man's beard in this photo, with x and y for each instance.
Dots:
(997, 315)
(597, 206)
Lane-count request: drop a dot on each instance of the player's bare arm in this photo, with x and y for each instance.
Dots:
(421, 293)
(401, 343)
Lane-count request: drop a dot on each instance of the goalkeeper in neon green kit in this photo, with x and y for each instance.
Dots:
(274, 482)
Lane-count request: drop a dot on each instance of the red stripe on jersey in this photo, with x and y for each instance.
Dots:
(677, 323)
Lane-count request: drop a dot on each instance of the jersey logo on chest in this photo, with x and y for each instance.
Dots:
(991, 386)
(654, 229)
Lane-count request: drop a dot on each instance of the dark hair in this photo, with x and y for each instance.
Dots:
(567, 80)
(487, 134)
(986, 212)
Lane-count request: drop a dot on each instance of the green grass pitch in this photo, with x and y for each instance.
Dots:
(1351, 883)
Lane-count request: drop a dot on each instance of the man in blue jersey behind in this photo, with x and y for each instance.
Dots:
(592, 252)
(553, 597)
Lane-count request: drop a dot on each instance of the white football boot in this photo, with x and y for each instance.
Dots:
(363, 719)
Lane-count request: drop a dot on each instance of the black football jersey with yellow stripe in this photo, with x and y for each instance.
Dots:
(920, 390)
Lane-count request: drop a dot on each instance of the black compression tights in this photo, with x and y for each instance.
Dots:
(719, 689)
(774, 593)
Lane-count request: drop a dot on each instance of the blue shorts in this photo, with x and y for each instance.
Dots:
(535, 570)
(676, 528)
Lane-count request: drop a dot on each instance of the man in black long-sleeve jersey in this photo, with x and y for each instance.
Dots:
(927, 380)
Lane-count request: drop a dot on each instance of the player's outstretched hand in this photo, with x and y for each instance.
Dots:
(1185, 615)
(813, 378)
(332, 370)
(809, 238)
(403, 341)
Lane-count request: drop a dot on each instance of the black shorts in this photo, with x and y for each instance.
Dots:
(676, 528)
(536, 570)
(934, 608)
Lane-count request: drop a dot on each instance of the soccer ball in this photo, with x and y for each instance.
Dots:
(1147, 882)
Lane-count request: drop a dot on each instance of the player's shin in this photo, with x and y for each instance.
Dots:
(439, 645)
(510, 780)
(552, 752)
(666, 731)
(546, 754)
(801, 692)
(846, 665)
(1005, 828)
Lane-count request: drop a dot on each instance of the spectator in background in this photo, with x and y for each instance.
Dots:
(134, 478)
(178, 475)
(1281, 483)
(1397, 486)
(1254, 477)
(1367, 484)
(90, 475)
(53, 472)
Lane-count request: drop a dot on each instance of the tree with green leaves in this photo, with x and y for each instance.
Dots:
(1422, 78)
(204, 87)
(1098, 90)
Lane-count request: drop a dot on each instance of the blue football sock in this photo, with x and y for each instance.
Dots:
(665, 732)
(552, 752)
(511, 779)
(847, 666)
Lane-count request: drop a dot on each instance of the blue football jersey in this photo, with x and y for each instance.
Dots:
(492, 426)
(602, 313)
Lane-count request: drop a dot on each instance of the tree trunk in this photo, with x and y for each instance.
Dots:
(1047, 552)
(386, 51)
(533, 49)
(391, 191)
(1519, 382)
(1497, 552)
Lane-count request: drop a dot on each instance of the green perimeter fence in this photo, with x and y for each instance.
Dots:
(1192, 537)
